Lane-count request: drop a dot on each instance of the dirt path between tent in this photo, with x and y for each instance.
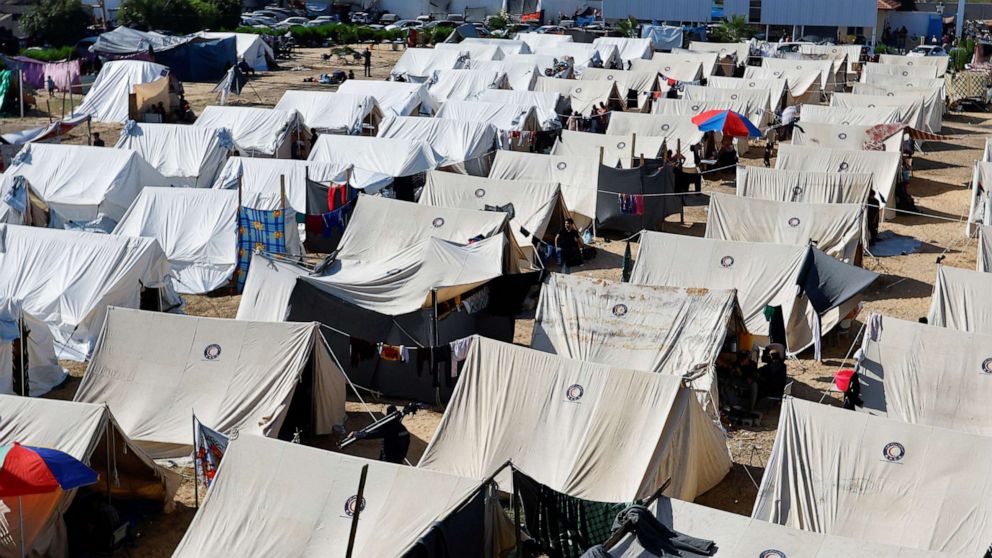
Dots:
(903, 291)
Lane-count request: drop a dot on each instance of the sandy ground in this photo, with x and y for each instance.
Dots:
(903, 291)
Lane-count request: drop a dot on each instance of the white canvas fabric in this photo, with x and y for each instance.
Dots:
(849, 116)
(921, 71)
(505, 117)
(739, 536)
(985, 249)
(258, 132)
(155, 371)
(570, 408)
(803, 186)
(377, 161)
(683, 107)
(675, 64)
(673, 128)
(261, 179)
(454, 143)
(79, 182)
(830, 469)
(67, 279)
(882, 165)
(250, 47)
(394, 97)
(268, 288)
(622, 150)
(310, 494)
(627, 48)
(669, 330)
(535, 41)
(578, 177)
(929, 375)
(895, 83)
(851, 54)
(44, 370)
(534, 203)
(756, 101)
(961, 300)
(642, 82)
(911, 110)
(980, 209)
(803, 85)
(185, 155)
(464, 85)
(196, 228)
(584, 95)
(77, 429)
(939, 62)
(520, 76)
(107, 99)
(791, 68)
(331, 113)
(838, 63)
(508, 46)
(740, 50)
(839, 136)
(933, 100)
(418, 65)
(543, 62)
(474, 51)
(584, 55)
(545, 103)
(775, 88)
(836, 228)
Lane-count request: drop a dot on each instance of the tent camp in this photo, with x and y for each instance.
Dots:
(839, 136)
(185, 155)
(544, 103)
(636, 84)
(250, 48)
(507, 118)
(543, 62)
(475, 51)
(616, 150)
(418, 65)
(508, 46)
(583, 55)
(831, 468)
(90, 434)
(466, 146)
(377, 161)
(583, 96)
(67, 279)
(928, 375)
(235, 376)
(311, 495)
(960, 300)
(802, 280)
(756, 101)
(569, 408)
(520, 76)
(679, 65)
(803, 186)
(394, 97)
(939, 62)
(37, 370)
(268, 287)
(196, 228)
(850, 116)
(627, 48)
(803, 85)
(980, 210)
(882, 165)
(933, 100)
(261, 180)
(835, 228)
(669, 330)
(108, 97)
(333, 113)
(774, 88)
(922, 71)
(61, 183)
(465, 84)
(196, 57)
(675, 128)
(895, 83)
(683, 107)
(793, 69)
(572, 173)
(536, 41)
(740, 51)
(985, 249)
(911, 108)
(257, 132)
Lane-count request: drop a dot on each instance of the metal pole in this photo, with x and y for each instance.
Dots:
(196, 469)
(959, 19)
(107, 441)
(358, 510)
(20, 87)
(20, 520)
(20, 330)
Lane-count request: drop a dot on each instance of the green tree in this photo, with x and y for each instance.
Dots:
(57, 22)
(170, 15)
(628, 27)
(733, 29)
(218, 14)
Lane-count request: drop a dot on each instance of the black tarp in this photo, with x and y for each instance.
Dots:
(461, 534)
(829, 283)
(628, 200)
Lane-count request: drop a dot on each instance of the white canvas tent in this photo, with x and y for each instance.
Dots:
(911, 110)
(268, 288)
(803, 186)
(543, 63)
(90, 434)
(839, 136)
(849, 116)
(76, 182)
(922, 71)
(196, 228)
(788, 68)
(675, 64)
(584, 55)
(980, 209)
(545, 103)
(508, 46)
(43, 371)
(467, 146)
(257, 132)
(615, 150)
(250, 48)
(377, 161)
(641, 82)
(261, 180)
(583, 95)
(464, 84)
(536, 41)
(836, 228)
(578, 177)
(67, 279)
(961, 300)
(740, 50)
(675, 128)
(236, 376)
(505, 117)
(474, 51)
(985, 249)
(924, 374)
(185, 155)
(332, 113)
(578, 438)
(830, 469)
(394, 97)
(668, 330)
(775, 88)
(311, 498)
(418, 65)
(933, 100)
(939, 62)
(520, 76)
(107, 99)
(756, 101)
(683, 107)
(627, 48)
(895, 83)
(803, 84)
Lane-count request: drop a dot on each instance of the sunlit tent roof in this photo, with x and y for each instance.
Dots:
(623, 150)
(90, 434)
(155, 371)
(256, 131)
(506, 45)
(681, 66)
(394, 97)
(250, 47)
(311, 495)
(838, 136)
(107, 99)
(642, 82)
(583, 95)
(419, 64)
(268, 288)
(933, 100)
(754, 103)
(464, 85)
(675, 128)
(535, 41)
(333, 113)
(627, 48)
(186, 155)
(831, 468)
(985, 249)
(377, 161)
(67, 279)
(196, 228)
(572, 173)
(849, 116)
(962, 300)
(545, 102)
(939, 62)
(505, 117)
(474, 51)
(520, 76)
(835, 228)
(465, 143)
(803, 186)
(578, 438)
(260, 179)
(911, 109)
(776, 87)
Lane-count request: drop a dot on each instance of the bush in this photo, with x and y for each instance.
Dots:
(336, 33)
(173, 15)
(218, 14)
(57, 22)
(49, 54)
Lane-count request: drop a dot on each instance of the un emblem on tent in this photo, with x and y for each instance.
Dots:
(871, 106)
(578, 90)
(352, 505)
(733, 97)
(909, 63)
(752, 84)
(620, 310)
(727, 261)
(772, 553)
(794, 222)
(987, 366)
(846, 123)
(777, 74)
(893, 451)
(797, 190)
(621, 145)
(904, 74)
(666, 127)
(392, 272)
(799, 67)
(561, 165)
(609, 78)
(574, 392)
(842, 135)
(212, 351)
(480, 193)
(695, 107)
(438, 222)
(890, 94)
(668, 68)
(843, 167)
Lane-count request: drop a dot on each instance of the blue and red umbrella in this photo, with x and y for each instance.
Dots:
(727, 122)
(26, 470)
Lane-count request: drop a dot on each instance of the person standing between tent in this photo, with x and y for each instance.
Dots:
(367, 60)
(97, 142)
(395, 438)
(50, 85)
(568, 242)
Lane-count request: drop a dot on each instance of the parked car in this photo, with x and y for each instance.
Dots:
(264, 21)
(389, 19)
(360, 18)
(927, 50)
(405, 24)
(274, 16)
(441, 23)
(458, 18)
(552, 29)
(292, 22)
(321, 20)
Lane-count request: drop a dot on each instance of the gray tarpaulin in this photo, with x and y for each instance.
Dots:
(985, 249)
(962, 300)
(802, 186)
(636, 199)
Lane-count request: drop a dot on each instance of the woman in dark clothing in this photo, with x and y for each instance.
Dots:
(569, 245)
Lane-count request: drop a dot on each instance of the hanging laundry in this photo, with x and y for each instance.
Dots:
(631, 204)
(459, 352)
(477, 302)
(394, 352)
(360, 350)
(259, 230)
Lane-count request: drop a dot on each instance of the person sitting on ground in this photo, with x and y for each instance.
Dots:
(773, 376)
(727, 156)
(246, 68)
(569, 245)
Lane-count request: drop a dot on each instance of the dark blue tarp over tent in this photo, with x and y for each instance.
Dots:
(200, 59)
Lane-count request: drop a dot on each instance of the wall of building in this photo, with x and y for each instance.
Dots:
(835, 13)
(661, 10)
